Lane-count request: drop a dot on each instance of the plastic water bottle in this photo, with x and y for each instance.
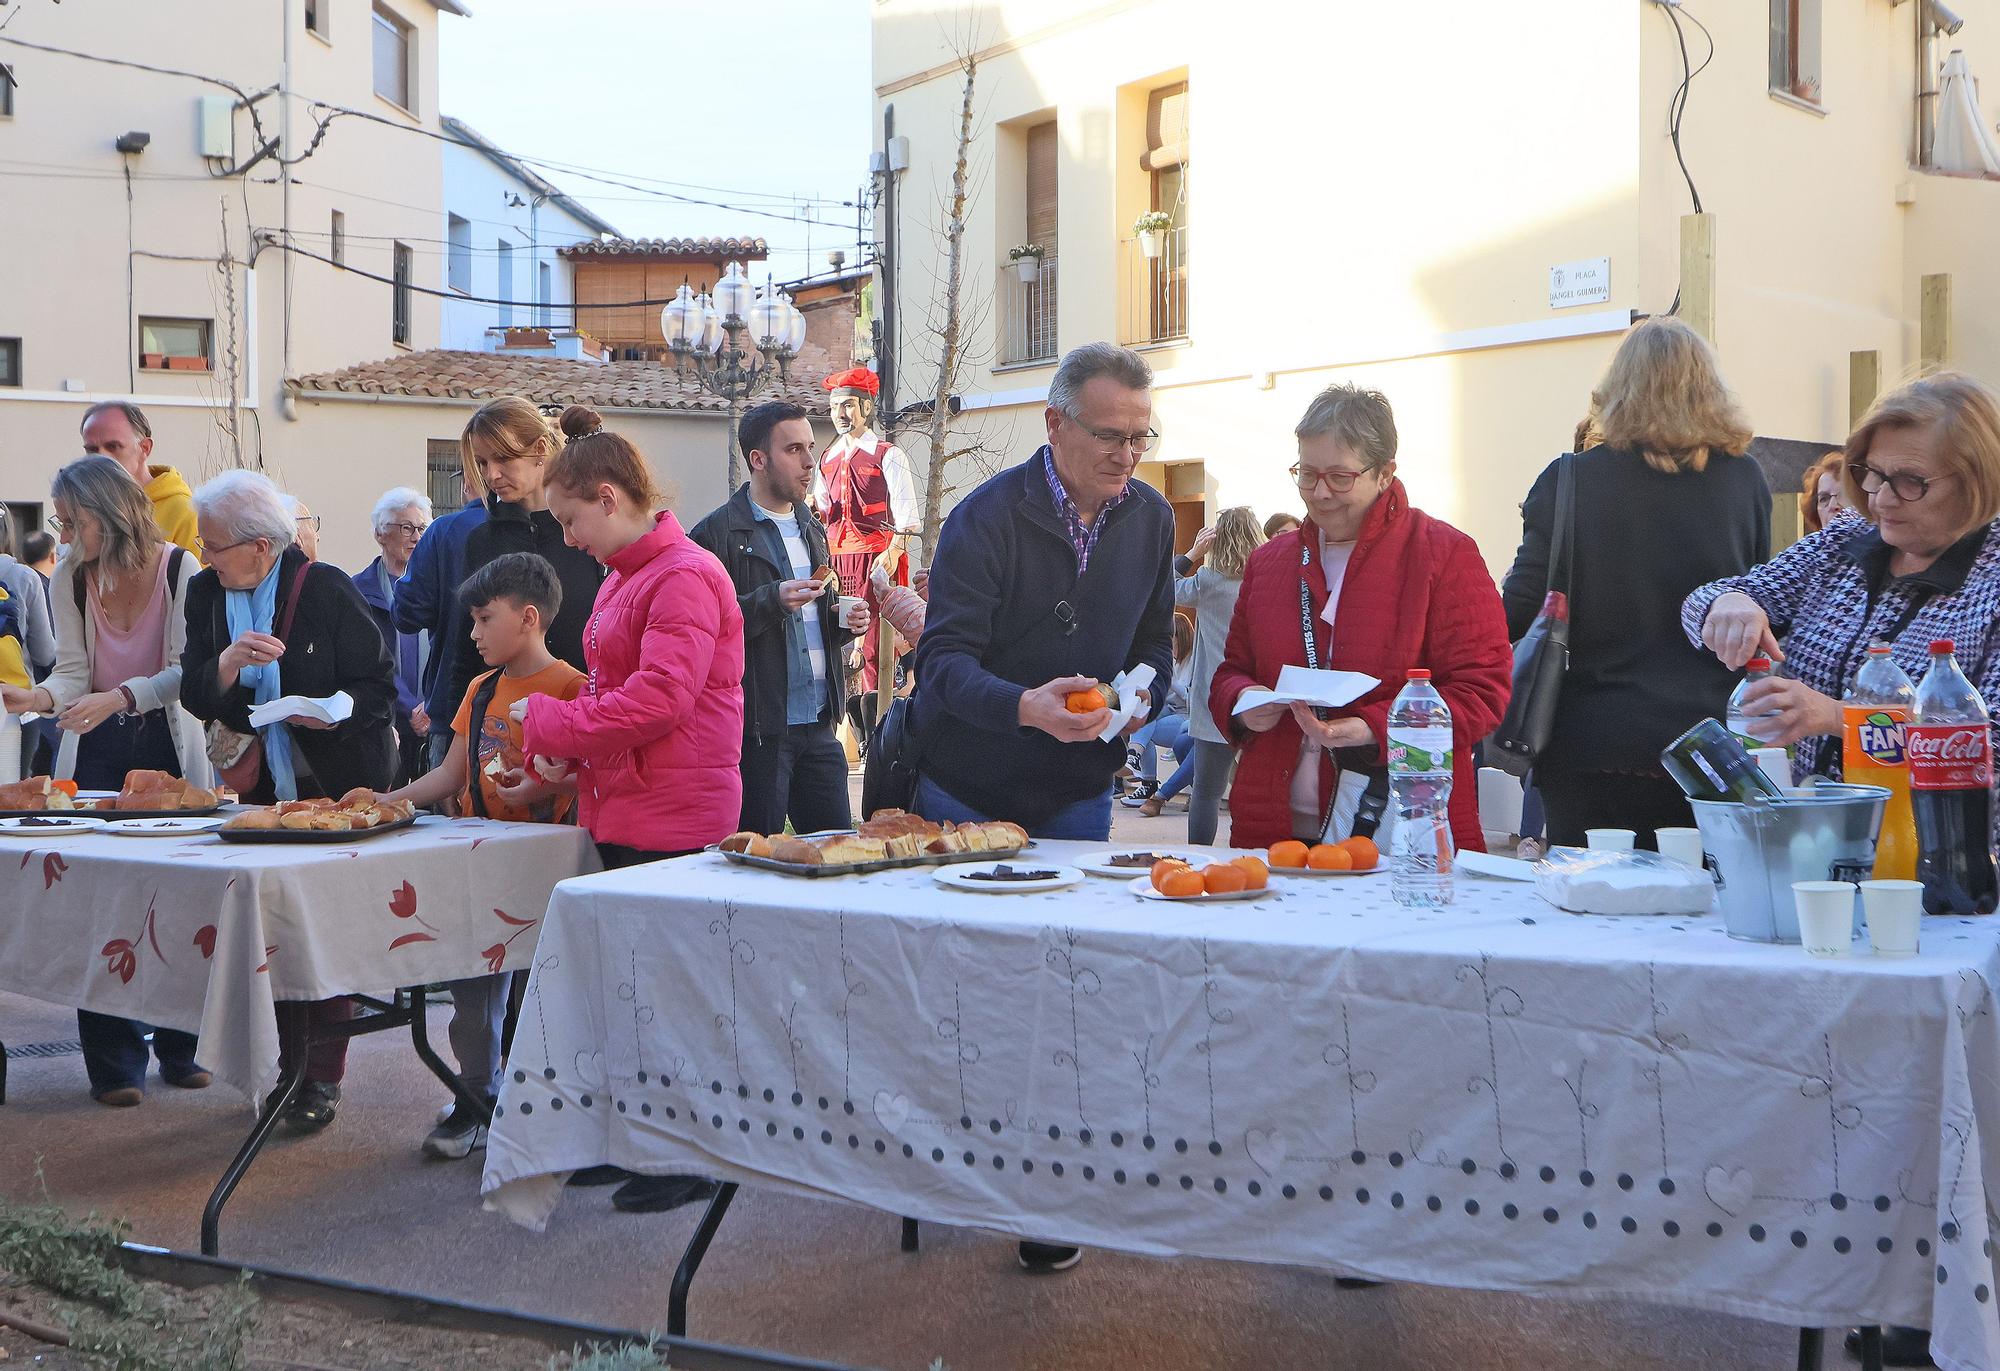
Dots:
(1420, 846)
(1740, 721)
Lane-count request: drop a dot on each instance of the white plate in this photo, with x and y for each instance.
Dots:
(1378, 869)
(164, 828)
(1497, 867)
(1099, 863)
(959, 877)
(1143, 888)
(27, 826)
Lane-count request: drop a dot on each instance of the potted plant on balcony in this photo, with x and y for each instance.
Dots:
(1151, 228)
(1027, 260)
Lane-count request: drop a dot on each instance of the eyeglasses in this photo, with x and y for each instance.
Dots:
(1333, 478)
(213, 552)
(1907, 485)
(1110, 440)
(406, 529)
(310, 519)
(57, 524)
(1827, 497)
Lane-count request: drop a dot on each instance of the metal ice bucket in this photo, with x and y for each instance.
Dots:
(1757, 849)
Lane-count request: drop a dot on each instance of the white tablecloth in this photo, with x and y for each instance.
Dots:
(1495, 1095)
(202, 935)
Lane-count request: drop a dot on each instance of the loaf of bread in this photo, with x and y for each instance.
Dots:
(797, 851)
(951, 840)
(839, 851)
(262, 819)
(37, 792)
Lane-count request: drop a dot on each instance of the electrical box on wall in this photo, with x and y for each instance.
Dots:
(215, 127)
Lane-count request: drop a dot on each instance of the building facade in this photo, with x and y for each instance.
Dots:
(1464, 208)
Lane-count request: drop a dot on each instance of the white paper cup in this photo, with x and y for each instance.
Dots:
(1895, 911)
(1775, 764)
(1610, 839)
(848, 604)
(1500, 796)
(1826, 917)
(1679, 845)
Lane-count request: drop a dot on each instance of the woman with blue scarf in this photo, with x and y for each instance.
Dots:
(266, 621)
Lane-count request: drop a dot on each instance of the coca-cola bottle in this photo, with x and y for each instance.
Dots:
(1951, 789)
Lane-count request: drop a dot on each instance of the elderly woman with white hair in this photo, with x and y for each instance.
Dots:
(263, 622)
(399, 519)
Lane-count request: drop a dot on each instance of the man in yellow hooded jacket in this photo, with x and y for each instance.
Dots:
(121, 432)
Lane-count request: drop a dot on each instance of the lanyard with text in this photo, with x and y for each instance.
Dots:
(1374, 800)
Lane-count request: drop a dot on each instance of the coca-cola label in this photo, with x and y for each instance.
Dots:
(1949, 756)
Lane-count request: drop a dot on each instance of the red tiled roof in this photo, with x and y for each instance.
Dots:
(553, 380)
(668, 247)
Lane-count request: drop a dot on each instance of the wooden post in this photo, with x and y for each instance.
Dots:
(1698, 273)
(1934, 322)
(1864, 383)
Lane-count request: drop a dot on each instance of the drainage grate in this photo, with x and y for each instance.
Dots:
(63, 1049)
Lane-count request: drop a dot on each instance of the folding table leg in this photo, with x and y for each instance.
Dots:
(909, 1235)
(1871, 1347)
(697, 1248)
(3, 1073)
(293, 1022)
(1812, 1348)
(420, 1039)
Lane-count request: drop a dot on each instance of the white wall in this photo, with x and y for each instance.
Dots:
(478, 190)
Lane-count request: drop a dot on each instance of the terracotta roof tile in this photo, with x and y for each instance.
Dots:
(668, 247)
(553, 380)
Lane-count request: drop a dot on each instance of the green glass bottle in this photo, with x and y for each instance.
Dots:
(1709, 762)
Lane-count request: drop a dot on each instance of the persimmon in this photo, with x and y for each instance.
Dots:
(1328, 857)
(1291, 854)
(1099, 696)
(1180, 883)
(1363, 851)
(1165, 867)
(1256, 873)
(1223, 878)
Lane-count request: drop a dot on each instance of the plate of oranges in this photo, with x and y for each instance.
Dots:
(1244, 877)
(1348, 857)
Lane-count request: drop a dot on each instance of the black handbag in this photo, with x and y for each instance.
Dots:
(1542, 656)
(889, 773)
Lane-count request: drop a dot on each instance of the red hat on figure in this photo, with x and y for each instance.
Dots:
(853, 381)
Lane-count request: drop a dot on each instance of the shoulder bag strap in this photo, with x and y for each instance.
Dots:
(475, 729)
(1561, 532)
(291, 607)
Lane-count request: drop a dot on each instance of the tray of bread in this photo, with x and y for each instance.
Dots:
(358, 814)
(145, 795)
(888, 840)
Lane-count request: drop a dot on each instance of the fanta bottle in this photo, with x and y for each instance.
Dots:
(1877, 711)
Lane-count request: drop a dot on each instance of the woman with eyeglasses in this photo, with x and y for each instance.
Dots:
(1820, 500)
(1923, 469)
(399, 519)
(1368, 583)
(1664, 501)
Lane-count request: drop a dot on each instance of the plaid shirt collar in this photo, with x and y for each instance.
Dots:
(1082, 536)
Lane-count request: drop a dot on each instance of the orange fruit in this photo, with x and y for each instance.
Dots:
(1254, 869)
(1180, 882)
(1290, 853)
(1165, 867)
(1221, 878)
(1327, 857)
(1363, 851)
(1084, 701)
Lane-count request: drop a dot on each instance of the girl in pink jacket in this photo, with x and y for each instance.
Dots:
(657, 731)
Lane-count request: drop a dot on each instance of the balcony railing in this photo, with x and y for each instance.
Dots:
(1027, 314)
(1157, 290)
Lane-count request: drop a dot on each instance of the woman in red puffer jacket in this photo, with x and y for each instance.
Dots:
(1386, 589)
(657, 732)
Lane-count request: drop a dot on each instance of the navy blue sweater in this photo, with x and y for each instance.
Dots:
(997, 626)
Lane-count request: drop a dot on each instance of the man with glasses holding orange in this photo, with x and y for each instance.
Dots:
(1049, 578)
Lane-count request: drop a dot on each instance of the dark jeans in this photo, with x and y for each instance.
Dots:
(1576, 800)
(1086, 820)
(114, 1051)
(802, 773)
(326, 1059)
(122, 743)
(617, 856)
(413, 753)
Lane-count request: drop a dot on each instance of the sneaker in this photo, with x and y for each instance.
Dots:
(195, 1078)
(1041, 1258)
(1139, 794)
(462, 1133)
(313, 1107)
(657, 1194)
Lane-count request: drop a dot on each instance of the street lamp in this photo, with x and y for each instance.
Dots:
(705, 334)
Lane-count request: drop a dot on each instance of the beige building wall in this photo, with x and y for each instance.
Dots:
(64, 235)
(1366, 206)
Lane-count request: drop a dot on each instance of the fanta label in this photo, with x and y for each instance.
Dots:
(1878, 737)
(1950, 756)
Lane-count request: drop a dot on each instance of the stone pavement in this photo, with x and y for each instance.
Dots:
(807, 1277)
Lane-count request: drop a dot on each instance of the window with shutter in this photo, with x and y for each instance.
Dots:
(1042, 185)
(1794, 52)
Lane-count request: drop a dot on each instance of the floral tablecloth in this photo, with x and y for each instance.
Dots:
(1493, 1095)
(198, 934)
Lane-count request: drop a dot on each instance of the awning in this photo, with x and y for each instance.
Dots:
(1962, 144)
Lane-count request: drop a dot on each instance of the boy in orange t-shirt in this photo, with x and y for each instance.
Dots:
(512, 600)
